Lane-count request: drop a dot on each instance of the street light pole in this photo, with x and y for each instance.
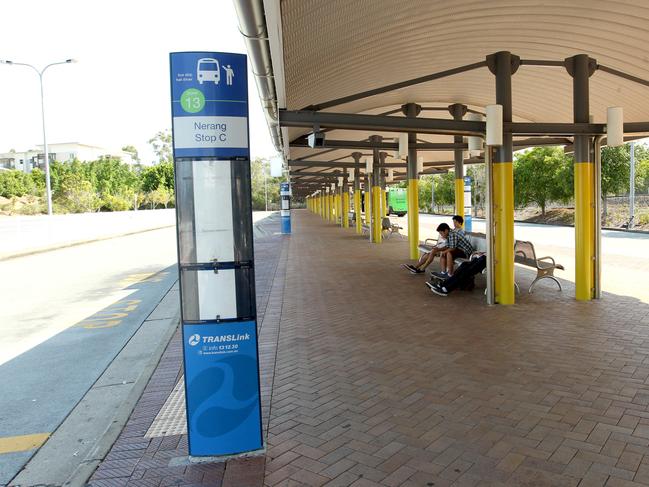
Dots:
(48, 186)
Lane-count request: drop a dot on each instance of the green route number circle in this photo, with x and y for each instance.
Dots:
(192, 100)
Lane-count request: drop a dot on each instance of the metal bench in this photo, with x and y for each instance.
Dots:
(390, 228)
(427, 246)
(524, 254)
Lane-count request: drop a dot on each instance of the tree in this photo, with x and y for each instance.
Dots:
(262, 184)
(16, 183)
(615, 172)
(133, 151)
(76, 195)
(477, 173)
(159, 196)
(425, 184)
(152, 177)
(444, 189)
(161, 144)
(536, 176)
(642, 177)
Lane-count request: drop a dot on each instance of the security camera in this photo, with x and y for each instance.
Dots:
(316, 139)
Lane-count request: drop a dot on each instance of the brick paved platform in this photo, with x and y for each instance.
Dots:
(371, 380)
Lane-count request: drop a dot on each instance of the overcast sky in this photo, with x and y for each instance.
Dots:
(118, 92)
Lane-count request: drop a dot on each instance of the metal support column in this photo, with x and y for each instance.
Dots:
(368, 203)
(411, 110)
(457, 110)
(357, 193)
(581, 67)
(323, 202)
(503, 65)
(384, 206)
(376, 190)
(345, 203)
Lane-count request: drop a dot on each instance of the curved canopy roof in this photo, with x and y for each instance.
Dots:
(336, 48)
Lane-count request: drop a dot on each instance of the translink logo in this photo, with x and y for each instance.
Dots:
(194, 340)
(226, 338)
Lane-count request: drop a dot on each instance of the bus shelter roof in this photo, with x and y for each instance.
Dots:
(324, 53)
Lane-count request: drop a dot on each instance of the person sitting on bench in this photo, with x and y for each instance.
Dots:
(427, 258)
(462, 278)
(458, 224)
(458, 246)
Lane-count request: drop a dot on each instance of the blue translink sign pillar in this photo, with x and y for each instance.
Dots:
(468, 207)
(285, 212)
(209, 107)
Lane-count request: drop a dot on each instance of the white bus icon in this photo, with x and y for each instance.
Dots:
(208, 69)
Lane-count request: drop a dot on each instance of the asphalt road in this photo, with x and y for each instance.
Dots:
(65, 315)
(625, 255)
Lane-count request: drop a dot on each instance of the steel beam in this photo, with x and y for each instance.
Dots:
(364, 144)
(352, 121)
(375, 123)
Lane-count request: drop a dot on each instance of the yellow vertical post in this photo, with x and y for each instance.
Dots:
(502, 65)
(345, 212)
(581, 67)
(337, 207)
(368, 192)
(503, 217)
(384, 203)
(376, 214)
(413, 217)
(357, 210)
(459, 197)
(328, 207)
(331, 207)
(584, 230)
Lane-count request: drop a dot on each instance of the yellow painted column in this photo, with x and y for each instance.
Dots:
(337, 217)
(345, 212)
(367, 206)
(328, 207)
(413, 217)
(376, 214)
(357, 211)
(584, 231)
(384, 202)
(459, 197)
(331, 207)
(503, 217)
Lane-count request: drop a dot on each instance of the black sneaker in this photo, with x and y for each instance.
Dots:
(440, 275)
(439, 290)
(430, 285)
(410, 267)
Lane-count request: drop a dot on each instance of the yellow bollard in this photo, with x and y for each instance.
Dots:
(459, 197)
(357, 211)
(584, 231)
(376, 213)
(503, 217)
(368, 192)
